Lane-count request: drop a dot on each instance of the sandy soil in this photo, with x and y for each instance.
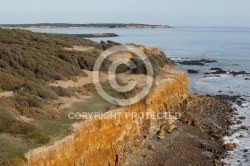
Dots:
(81, 81)
(6, 94)
(79, 48)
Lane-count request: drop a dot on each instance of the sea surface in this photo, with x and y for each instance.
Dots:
(229, 46)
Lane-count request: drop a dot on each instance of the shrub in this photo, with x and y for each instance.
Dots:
(60, 91)
(38, 137)
(9, 124)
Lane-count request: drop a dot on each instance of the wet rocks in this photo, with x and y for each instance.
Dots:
(235, 73)
(201, 62)
(193, 71)
(242, 117)
(239, 122)
(219, 72)
(230, 146)
(244, 127)
(229, 98)
(230, 121)
(216, 68)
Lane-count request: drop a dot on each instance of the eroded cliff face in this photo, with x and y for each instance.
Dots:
(104, 141)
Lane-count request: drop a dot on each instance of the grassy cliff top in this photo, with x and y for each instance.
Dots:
(29, 62)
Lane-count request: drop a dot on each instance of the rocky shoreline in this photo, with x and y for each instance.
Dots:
(211, 74)
(198, 139)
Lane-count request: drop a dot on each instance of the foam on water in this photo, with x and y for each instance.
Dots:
(228, 84)
(241, 138)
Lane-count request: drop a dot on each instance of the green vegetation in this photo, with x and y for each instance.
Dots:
(28, 63)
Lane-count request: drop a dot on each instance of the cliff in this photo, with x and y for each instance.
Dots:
(34, 124)
(103, 141)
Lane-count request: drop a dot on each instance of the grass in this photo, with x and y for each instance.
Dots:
(55, 128)
(13, 146)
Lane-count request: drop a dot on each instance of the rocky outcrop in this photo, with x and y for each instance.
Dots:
(103, 141)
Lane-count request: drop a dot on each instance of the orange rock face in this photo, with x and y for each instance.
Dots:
(101, 142)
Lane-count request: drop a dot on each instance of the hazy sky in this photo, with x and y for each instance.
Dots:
(169, 12)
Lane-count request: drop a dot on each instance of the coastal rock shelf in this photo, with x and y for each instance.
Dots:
(104, 141)
(95, 35)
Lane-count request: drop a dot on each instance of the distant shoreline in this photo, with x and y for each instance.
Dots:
(93, 35)
(64, 25)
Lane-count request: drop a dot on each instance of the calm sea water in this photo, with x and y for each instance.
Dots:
(229, 46)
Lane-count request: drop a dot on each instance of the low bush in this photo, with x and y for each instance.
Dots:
(38, 137)
(9, 124)
(60, 91)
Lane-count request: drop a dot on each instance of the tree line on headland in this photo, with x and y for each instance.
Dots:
(97, 25)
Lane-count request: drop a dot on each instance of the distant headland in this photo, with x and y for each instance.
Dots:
(92, 25)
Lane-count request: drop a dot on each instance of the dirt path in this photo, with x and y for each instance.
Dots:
(79, 48)
(6, 94)
(81, 81)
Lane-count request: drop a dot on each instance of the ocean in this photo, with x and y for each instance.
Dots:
(229, 46)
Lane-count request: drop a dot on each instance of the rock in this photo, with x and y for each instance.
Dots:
(244, 127)
(247, 78)
(242, 117)
(172, 127)
(230, 146)
(103, 42)
(239, 122)
(214, 150)
(246, 150)
(219, 72)
(192, 62)
(192, 71)
(216, 162)
(196, 123)
(161, 137)
(207, 61)
(201, 129)
(148, 156)
(230, 121)
(151, 147)
(239, 102)
(201, 62)
(204, 146)
(235, 73)
(216, 68)
(161, 134)
(217, 136)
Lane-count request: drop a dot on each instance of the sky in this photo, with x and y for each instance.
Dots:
(164, 12)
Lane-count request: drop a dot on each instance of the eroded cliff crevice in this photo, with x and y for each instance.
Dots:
(103, 141)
